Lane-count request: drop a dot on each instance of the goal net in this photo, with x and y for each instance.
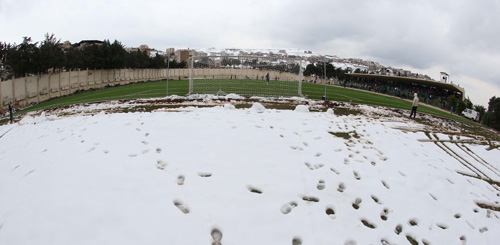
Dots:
(245, 75)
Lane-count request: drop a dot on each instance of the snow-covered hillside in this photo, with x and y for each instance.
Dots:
(241, 176)
(337, 62)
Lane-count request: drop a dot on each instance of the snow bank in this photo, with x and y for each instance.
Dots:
(302, 108)
(228, 106)
(257, 107)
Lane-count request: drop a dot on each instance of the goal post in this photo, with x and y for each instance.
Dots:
(245, 75)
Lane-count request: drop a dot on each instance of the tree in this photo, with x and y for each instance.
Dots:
(117, 55)
(24, 58)
(494, 112)
(481, 109)
(51, 54)
(4, 49)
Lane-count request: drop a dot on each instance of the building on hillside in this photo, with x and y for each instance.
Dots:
(66, 45)
(86, 43)
(170, 51)
(130, 50)
(183, 55)
(145, 48)
(154, 52)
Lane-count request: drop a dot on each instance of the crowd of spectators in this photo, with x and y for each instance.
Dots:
(429, 95)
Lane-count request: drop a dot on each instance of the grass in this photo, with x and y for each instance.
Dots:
(180, 87)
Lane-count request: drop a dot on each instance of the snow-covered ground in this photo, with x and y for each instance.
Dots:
(241, 176)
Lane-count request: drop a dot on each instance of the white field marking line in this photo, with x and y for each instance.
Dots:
(484, 163)
(483, 159)
(464, 162)
(455, 155)
(6, 132)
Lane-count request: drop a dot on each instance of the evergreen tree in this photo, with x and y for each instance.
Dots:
(4, 69)
(51, 54)
(24, 58)
(481, 109)
(494, 112)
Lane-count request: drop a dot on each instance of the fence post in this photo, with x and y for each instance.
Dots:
(13, 90)
(78, 79)
(25, 89)
(60, 92)
(87, 79)
(50, 88)
(38, 90)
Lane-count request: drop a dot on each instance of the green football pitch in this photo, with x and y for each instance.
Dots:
(180, 87)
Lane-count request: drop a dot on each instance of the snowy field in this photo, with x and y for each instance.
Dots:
(222, 175)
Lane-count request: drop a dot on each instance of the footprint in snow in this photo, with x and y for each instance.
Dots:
(330, 211)
(287, 208)
(384, 213)
(310, 199)
(368, 224)
(180, 180)
(356, 175)
(321, 185)
(385, 185)
(335, 170)
(413, 222)
(376, 200)
(356, 203)
(217, 236)
(398, 229)
(442, 226)
(160, 164)
(30, 172)
(341, 187)
(297, 241)
(181, 206)
(254, 190)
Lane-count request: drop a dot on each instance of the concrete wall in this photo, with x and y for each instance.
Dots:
(21, 92)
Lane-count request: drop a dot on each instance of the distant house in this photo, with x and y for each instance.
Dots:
(85, 43)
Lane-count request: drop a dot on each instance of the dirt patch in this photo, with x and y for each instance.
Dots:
(345, 135)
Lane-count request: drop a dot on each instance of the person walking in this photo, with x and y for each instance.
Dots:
(414, 106)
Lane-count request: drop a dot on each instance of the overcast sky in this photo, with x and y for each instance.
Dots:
(460, 37)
